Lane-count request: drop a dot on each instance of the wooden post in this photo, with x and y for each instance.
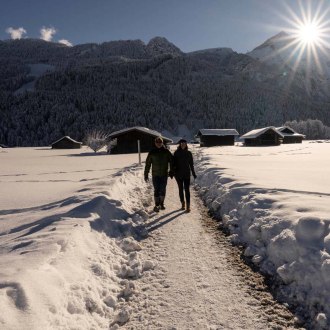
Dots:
(139, 151)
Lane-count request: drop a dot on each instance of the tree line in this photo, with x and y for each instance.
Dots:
(201, 90)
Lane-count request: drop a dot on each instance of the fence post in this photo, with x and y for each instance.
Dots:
(139, 151)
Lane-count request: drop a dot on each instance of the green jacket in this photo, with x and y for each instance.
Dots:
(159, 159)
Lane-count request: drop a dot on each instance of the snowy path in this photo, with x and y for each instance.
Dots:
(195, 285)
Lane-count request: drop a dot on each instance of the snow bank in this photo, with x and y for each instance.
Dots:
(71, 263)
(284, 231)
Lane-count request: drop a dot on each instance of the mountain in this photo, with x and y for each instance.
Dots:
(312, 67)
(160, 45)
(276, 50)
(48, 90)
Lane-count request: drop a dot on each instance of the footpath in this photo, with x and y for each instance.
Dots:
(199, 281)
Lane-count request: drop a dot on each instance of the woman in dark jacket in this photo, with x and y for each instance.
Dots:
(183, 165)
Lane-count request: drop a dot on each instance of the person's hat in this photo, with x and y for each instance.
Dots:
(182, 141)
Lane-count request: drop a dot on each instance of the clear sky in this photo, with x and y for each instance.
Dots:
(190, 24)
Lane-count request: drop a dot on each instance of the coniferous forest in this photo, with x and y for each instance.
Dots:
(120, 84)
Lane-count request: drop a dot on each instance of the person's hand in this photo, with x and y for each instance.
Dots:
(146, 179)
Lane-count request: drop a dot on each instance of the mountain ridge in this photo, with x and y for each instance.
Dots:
(116, 84)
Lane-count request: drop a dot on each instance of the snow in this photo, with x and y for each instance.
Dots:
(36, 71)
(76, 253)
(219, 132)
(63, 265)
(284, 49)
(256, 132)
(275, 201)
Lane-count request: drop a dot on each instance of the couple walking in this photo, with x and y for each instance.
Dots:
(181, 165)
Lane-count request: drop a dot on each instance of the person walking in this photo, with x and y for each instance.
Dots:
(183, 166)
(161, 160)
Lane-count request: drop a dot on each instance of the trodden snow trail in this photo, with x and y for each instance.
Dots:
(194, 285)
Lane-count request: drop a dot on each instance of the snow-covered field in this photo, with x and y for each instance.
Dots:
(276, 202)
(63, 263)
(69, 219)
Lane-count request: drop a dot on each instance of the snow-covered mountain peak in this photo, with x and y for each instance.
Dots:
(217, 51)
(160, 45)
(274, 50)
(285, 49)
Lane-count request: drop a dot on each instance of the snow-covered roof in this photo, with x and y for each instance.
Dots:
(256, 132)
(218, 132)
(294, 133)
(66, 138)
(141, 129)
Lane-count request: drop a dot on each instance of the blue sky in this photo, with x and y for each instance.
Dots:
(189, 24)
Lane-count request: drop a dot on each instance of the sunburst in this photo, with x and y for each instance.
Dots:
(307, 41)
(310, 33)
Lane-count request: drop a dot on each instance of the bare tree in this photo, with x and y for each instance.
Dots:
(96, 140)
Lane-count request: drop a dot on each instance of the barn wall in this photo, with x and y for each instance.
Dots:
(127, 142)
(268, 138)
(292, 139)
(213, 140)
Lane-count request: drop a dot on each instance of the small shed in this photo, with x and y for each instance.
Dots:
(216, 137)
(267, 136)
(290, 135)
(127, 140)
(66, 143)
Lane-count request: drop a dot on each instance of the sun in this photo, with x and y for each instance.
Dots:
(306, 39)
(309, 33)
(302, 46)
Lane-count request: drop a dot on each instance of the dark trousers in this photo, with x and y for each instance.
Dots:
(159, 183)
(184, 184)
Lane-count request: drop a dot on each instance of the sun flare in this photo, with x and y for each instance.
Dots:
(305, 40)
(309, 33)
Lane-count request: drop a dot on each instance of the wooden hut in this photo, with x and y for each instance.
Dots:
(267, 136)
(216, 137)
(127, 140)
(66, 143)
(290, 135)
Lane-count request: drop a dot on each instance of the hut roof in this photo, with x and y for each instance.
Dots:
(287, 128)
(257, 132)
(140, 129)
(66, 138)
(217, 132)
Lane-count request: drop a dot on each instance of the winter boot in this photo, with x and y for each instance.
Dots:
(157, 203)
(188, 208)
(183, 205)
(156, 208)
(161, 199)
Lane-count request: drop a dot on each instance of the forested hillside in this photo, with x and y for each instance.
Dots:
(126, 83)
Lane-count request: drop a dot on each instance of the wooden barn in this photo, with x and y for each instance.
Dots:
(66, 143)
(216, 137)
(267, 136)
(127, 140)
(290, 135)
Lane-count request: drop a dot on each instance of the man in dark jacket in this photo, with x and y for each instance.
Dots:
(160, 159)
(183, 165)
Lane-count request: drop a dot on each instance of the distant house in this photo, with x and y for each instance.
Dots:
(267, 136)
(216, 137)
(66, 143)
(127, 140)
(290, 135)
